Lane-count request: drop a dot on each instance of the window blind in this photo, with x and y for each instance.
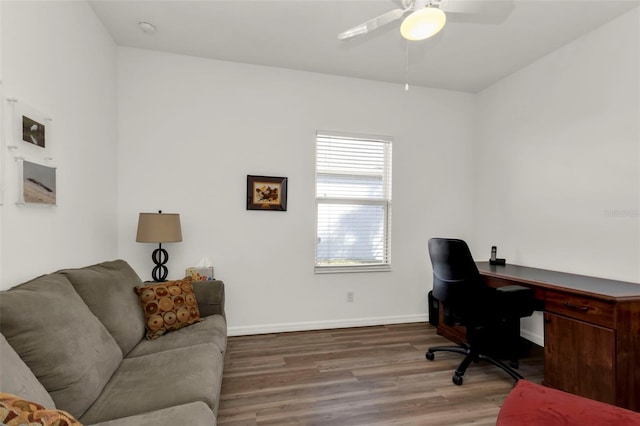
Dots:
(353, 202)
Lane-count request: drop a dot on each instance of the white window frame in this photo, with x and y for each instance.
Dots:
(384, 202)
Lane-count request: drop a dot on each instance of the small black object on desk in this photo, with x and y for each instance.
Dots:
(494, 260)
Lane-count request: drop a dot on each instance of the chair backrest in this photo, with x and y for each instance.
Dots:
(456, 280)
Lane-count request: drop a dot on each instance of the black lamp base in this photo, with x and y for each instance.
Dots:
(160, 258)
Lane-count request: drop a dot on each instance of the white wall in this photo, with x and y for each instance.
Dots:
(57, 58)
(559, 138)
(2, 144)
(191, 129)
(557, 159)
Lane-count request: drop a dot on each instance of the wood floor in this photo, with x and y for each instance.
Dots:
(359, 376)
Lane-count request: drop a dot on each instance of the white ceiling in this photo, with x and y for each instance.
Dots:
(468, 55)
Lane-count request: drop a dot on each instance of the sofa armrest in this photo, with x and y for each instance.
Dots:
(210, 297)
(533, 404)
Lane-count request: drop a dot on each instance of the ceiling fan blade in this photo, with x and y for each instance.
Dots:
(372, 24)
(476, 7)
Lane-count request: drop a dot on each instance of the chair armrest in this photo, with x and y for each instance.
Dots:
(210, 297)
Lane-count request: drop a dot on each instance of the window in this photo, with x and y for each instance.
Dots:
(353, 202)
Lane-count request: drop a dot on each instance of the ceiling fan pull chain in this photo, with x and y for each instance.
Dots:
(406, 68)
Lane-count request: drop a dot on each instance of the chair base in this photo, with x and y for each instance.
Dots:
(472, 356)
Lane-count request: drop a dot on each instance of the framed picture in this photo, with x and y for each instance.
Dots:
(32, 127)
(266, 193)
(33, 131)
(38, 183)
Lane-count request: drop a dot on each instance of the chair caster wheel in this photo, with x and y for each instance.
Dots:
(430, 356)
(457, 380)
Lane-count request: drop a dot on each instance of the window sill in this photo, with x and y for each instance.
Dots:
(351, 269)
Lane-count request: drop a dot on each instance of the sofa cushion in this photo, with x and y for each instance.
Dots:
(16, 411)
(211, 329)
(107, 288)
(17, 379)
(61, 341)
(192, 414)
(161, 380)
(168, 306)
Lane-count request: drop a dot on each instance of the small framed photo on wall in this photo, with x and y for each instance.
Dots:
(32, 130)
(266, 193)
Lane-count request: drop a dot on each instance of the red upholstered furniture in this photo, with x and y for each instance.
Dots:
(531, 404)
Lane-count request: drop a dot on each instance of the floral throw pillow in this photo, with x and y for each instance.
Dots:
(168, 306)
(16, 411)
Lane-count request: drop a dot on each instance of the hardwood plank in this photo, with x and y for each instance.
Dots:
(359, 376)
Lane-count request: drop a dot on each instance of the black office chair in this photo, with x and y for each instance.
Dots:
(491, 316)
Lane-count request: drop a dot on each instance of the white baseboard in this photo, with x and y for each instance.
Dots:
(354, 322)
(532, 328)
(322, 325)
(532, 337)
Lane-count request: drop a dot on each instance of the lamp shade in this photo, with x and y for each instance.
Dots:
(159, 228)
(423, 23)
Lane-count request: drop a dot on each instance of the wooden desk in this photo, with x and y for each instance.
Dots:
(591, 331)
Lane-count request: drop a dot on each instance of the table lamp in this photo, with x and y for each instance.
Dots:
(159, 228)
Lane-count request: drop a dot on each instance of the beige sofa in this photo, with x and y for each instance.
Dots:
(74, 340)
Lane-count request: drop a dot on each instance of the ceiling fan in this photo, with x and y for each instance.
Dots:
(427, 17)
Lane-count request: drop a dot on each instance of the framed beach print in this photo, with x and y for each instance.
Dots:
(266, 193)
(38, 184)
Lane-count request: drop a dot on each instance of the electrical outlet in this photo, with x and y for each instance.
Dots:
(349, 296)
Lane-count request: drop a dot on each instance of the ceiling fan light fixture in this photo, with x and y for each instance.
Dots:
(423, 23)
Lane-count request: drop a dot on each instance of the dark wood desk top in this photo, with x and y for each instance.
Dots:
(600, 287)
